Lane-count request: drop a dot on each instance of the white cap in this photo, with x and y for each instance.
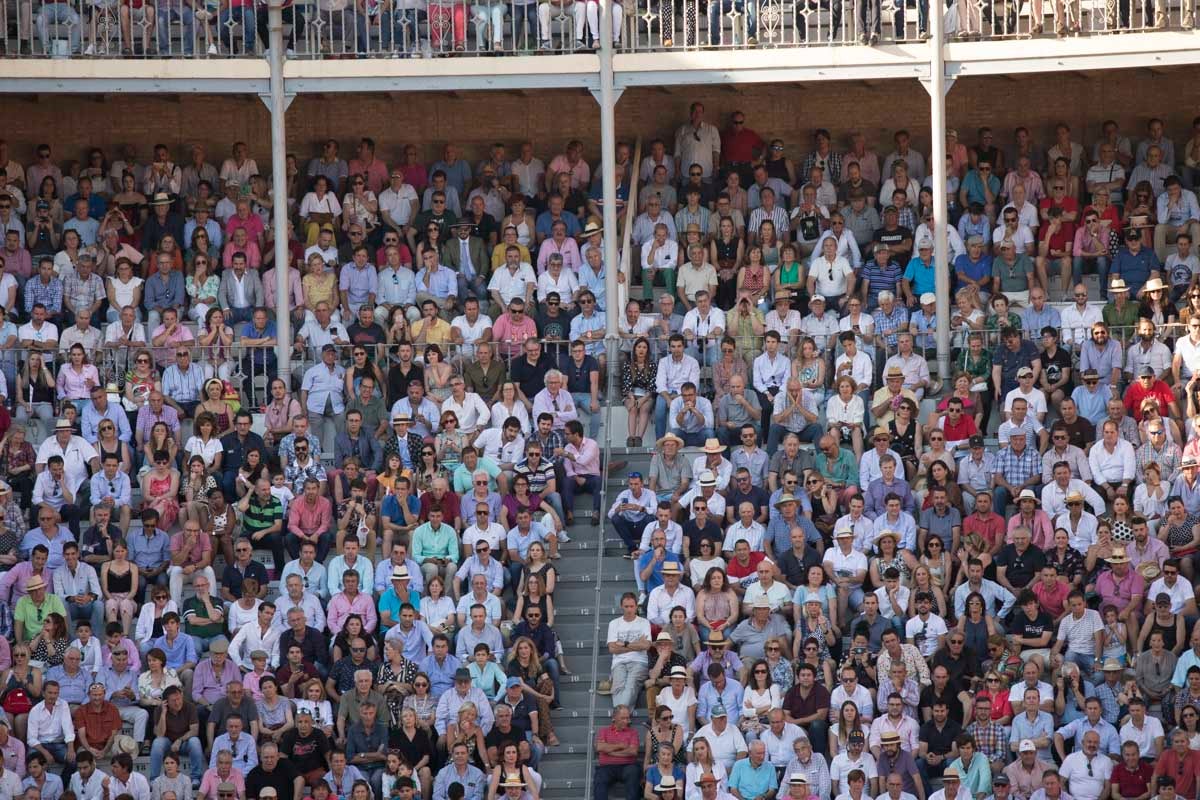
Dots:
(928, 297)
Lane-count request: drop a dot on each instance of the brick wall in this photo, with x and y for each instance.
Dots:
(474, 119)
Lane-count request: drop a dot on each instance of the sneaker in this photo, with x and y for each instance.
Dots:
(580, 46)
(563, 538)
(545, 46)
(90, 50)
(604, 687)
(641, 598)
(212, 49)
(289, 53)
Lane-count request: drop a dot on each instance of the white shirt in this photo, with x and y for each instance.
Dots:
(779, 748)
(1036, 400)
(725, 746)
(398, 203)
(672, 374)
(116, 333)
(566, 284)
(752, 534)
(674, 534)
(1082, 535)
(822, 329)
(75, 455)
(665, 257)
(843, 764)
(250, 638)
(47, 333)
(1151, 729)
(783, 325)
(137, 787)
(844, 564)
(491, 441)
(1084, 782)
(702, 326)
(1080, 634)
(50, 725)
(619, 630)
(1054, 497)
(1187, 350)
(660, 603)
(473, 414)
(1077, 324)
(1114, 467)
(1022, 237)
(494, 535)
(94, 790)
(830, 278)
(509, 284)
(930, 630)
(1180, 594)
(769, 374)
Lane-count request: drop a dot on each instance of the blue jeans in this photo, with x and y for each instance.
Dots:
(591, 484)
(58, 750)
(244, 16)
(630, 532)
(718, 7)
(92, 613)
(195, 754)
(661, 407)
(551, 665)
(58, 14)
(705, 351)
(590, 420)
(398, 29)
(187, 18)
(524, 25)
(1102, 265)
(696, 438)
(236, 315)
(629, 775)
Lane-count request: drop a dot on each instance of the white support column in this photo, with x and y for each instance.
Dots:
(608, 96)
(279, 104)
(937, 85)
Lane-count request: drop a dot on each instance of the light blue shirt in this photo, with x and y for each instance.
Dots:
(1022, 728)
(442, 283)
(120, 491)
(441, 676)
(1092, 406)
(1179, 213)
(582, 324)
(731, 698)
(36, 536)
(690, 425)
(1110, 741)
(181, 652)
(89, 423)
(992, 593)
(148, 552)
(750, 781)
(537, 533)
(358, 284)
(1033, 320)
(396, 287)
(72, 688)
(338, 567)
(313, 582)
(212, 228)
(180, 386)
(323, 383)
(595, 284)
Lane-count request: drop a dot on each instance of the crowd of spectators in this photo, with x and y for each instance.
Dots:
(820, 516)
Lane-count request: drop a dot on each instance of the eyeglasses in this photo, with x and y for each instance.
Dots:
(358, 649)
(141, 361)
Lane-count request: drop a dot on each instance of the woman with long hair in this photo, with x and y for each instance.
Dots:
(201, 246)
(922, 581)
(976, 624)
(37, 390)
(889, 555)
(537, 565)
(525, 665)
(160, 489)
(708, 559)
(465, 730)
(216, 341)
(665, 734)
(119, 583)
(422, 703)
(49, 647)
(76, 378)
(848, 721)
(1180, 531)
(318, 208)
(638, 375)
(201, 287)
(534, 596)
(428, 469)
(759, 698)
(193, 492)
(809, 369)
(108, 443)
(319, 287)
(124, 289)
(939, 477)
(416, 745)
(906, 436)
(717, 605)
(312, 698)
(361, 365)
(519, 497)
(1066, 559)
(510, 405)
(67, 258)
(703, 762)
(351, 630)
(17, 459)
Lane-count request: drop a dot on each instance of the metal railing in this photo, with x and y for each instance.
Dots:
(435, 28)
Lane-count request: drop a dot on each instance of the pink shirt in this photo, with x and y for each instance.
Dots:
(587, 458)
(304, 519)
(377, 174)
(74, 385)
(509, 338)
(211, 780)
(341, 607)
(1051, 601)
(165, 356)
(268, 281)
(580, 173)
(253, 254)
(1119, 591)
(12, 584)
(253, 224)
(569, 251)
(203, 545)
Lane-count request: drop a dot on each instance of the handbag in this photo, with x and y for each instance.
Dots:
(16, 701)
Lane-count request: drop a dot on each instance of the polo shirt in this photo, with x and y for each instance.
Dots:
(797, 706)
(941, 525)
(258, 516)
(750, 781)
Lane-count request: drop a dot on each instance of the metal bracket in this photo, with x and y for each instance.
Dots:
(288, 97)
(617, 92)
(928, 84)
